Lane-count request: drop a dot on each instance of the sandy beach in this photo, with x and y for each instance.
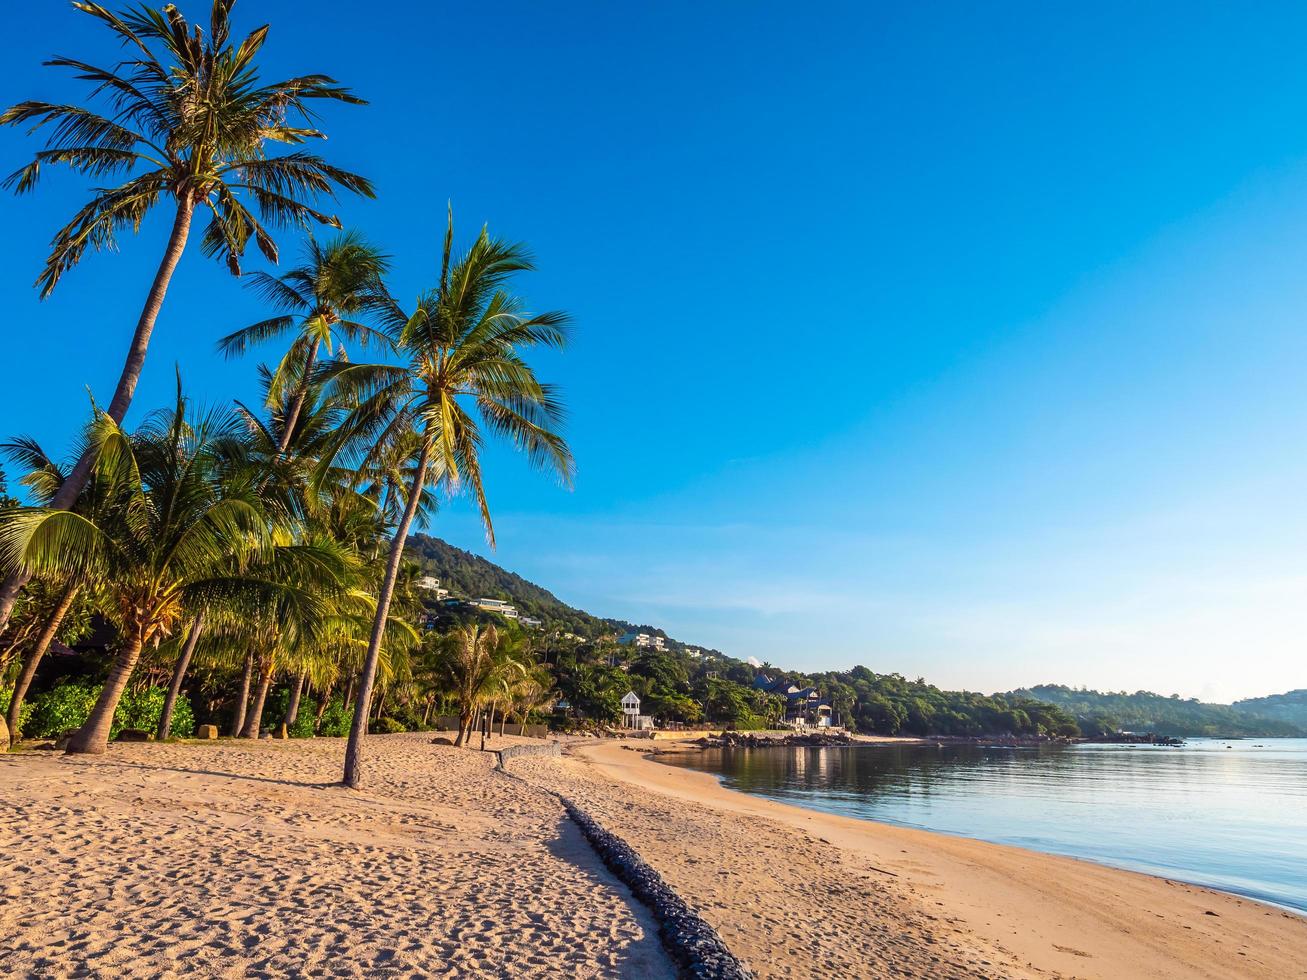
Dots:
(240, 859)
(802, 893)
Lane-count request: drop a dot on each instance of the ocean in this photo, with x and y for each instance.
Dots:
(1228, 814)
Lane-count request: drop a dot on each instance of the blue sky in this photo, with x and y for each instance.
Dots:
(964, 341)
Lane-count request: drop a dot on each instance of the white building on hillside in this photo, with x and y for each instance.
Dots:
(643, 641)
(501, 606)
(432, 584)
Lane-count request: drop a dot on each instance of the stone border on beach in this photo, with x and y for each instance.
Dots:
(696, 947)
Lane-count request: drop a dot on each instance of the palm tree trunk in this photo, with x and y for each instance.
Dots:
(297, 405)
(358, 730)
(426, 714)
(255, 716)
(323, 700)
(178, 675)
(93, 737)
(33, 660)
(68, 491)
(293, 707)
(238, 722)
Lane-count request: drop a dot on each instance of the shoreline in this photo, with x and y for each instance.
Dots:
(1055, 914)
(691, 746)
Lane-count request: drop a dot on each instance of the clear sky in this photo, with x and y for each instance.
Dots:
(960, 340)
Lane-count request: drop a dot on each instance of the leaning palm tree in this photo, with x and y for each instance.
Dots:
(187, 122)
(171, 539)
(321, 300)
(463, 352)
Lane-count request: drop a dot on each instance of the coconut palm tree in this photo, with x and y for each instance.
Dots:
(49, 601)
(338, 282)
(463, 370)
(173, 538)
(187, 122)
(469, 665)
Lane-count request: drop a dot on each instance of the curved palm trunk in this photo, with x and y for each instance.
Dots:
(93, 737)
(296, 406)
(178, 675)
(33, 660)
(353, 775)
(122, 395)
(464, 727)
(293, 707)
(238, 720)
(255, 716)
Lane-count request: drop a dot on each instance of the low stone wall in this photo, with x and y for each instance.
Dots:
(692, 942)
(518, 751)
(696, 947)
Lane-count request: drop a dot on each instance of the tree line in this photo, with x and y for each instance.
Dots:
(265, 542)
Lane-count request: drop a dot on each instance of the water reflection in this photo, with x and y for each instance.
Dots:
(1228, 814)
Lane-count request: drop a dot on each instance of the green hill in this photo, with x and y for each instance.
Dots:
(1100, 712)
(1290, 707)
(470, 576)
(885, 703)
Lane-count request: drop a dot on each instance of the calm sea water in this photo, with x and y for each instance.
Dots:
(1228, 814)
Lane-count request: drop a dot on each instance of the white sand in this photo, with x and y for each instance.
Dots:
(235, 859)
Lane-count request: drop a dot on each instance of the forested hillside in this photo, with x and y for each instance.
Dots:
(595, 673)
(1101, 712)
(1290, 707)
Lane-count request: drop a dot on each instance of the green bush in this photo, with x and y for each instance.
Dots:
(385, 725)
(336, 719)
(60, 709)
(69, 705)
(303, 727)
(25, 716)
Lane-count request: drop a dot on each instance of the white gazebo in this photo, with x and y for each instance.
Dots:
(631, 710)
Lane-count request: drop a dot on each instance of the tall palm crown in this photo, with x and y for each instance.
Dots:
(322, 299)
(463, 351)
(188, 121)
(195, 120)
(463, 348)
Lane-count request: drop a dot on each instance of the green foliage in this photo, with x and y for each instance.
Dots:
(67, 706)
(1144, 711)
(25, 716)
(385, 725)
(61, 709)
(303, 727)
(336, 719)
(1290, 707)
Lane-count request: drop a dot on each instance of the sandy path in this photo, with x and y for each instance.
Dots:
(238, 860)
(799, 893)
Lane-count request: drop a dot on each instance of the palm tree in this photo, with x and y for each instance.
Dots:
(172, 538)
(471, 664)
(462, 348)
(51, 600)
(188, 122)
(338, 281)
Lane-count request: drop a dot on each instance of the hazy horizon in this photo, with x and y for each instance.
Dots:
(959, 342)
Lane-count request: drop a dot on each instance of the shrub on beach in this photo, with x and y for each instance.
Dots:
(69, 705)
(336, 719)
(386, 725)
